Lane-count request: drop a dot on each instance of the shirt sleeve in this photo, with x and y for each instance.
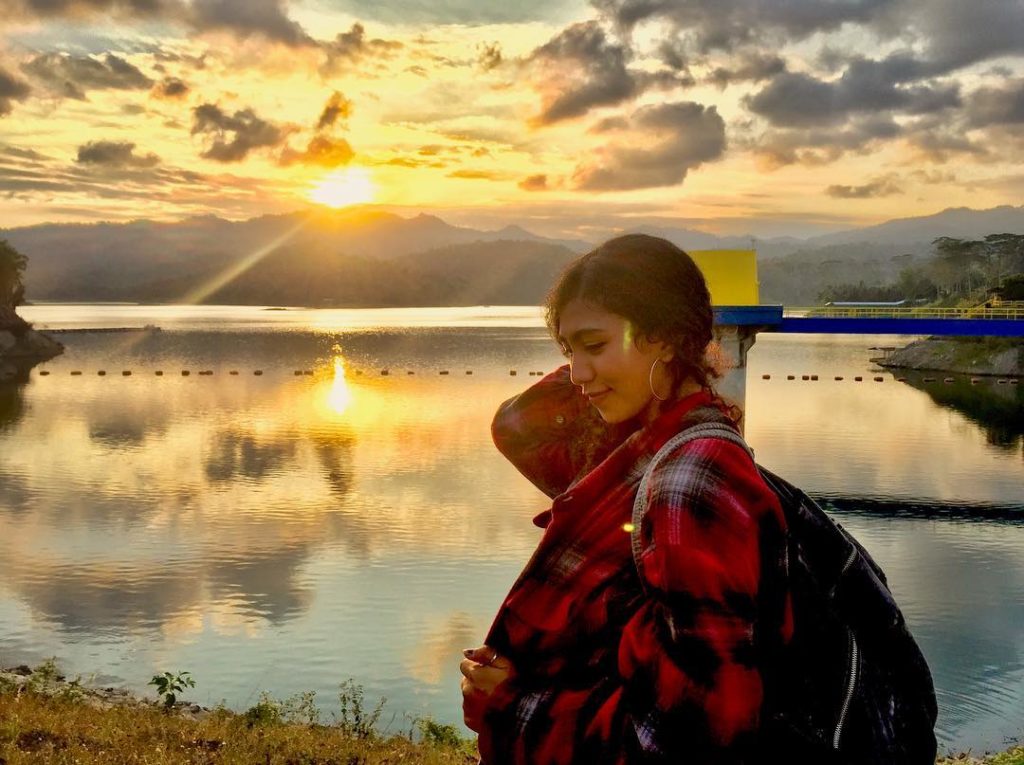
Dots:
(688, 686)
(551, 433)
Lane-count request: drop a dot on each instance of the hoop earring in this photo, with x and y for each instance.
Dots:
(650, 381)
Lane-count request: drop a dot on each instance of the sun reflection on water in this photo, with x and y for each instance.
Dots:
(339, 396)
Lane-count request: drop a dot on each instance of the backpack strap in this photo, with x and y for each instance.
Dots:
(705, 429)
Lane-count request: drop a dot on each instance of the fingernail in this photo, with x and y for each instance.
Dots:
(467, 652)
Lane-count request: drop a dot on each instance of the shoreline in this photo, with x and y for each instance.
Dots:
(55, 711)
(980, 356)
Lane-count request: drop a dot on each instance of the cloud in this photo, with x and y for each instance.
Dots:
(821, 145)
(956, 34)
(479, 175)
(489, 56)
(11, 89)
(580, 69)
(352, 47)
(676, 138)
(322, 151)
(57, 8)
(880, 187)
(465, 12)
(337, 108)
(534, 183)
(73, 76)
(266, 18)
(724, 23)
(754, 66)
(997, 106)
(797, 99)
(234, 136)
(114, 154)
(171, 88)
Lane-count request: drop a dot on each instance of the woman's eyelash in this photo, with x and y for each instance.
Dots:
(591, 347)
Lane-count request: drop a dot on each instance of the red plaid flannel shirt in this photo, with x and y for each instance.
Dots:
(609, 669)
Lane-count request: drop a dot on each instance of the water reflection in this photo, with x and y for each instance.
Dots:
(228, 524)
(998, 409)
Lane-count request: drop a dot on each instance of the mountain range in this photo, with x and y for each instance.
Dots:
(370, 258)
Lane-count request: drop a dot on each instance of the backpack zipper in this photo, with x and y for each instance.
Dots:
(854, 656)
(851, 682)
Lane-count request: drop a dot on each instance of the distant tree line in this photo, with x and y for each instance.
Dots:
(958, 269)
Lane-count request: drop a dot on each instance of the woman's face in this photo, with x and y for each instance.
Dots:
(613, 371)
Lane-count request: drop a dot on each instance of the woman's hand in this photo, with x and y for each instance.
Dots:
(483, 670)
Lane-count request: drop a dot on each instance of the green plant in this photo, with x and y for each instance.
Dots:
(439, 734)
(266, 711)
(43, 676)
(168, 686)
(301, 708)
(354, 720)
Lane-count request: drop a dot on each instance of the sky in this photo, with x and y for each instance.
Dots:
(568, 117)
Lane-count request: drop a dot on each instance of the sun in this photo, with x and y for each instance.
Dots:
(351, 186)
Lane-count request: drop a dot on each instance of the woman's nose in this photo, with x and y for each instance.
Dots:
(580, 372)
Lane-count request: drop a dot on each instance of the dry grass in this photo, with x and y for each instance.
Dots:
(36, 728)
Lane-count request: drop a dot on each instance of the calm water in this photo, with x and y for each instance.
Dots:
(284, 532)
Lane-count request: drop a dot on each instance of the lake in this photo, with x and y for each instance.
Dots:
(286, 532)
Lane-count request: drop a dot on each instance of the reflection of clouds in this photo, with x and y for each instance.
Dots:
(235, 454)
(226, 498)
(438, 655)
(961, 588)
(15, 497)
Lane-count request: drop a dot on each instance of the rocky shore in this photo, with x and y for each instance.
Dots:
(1002, 357)
(21, 347)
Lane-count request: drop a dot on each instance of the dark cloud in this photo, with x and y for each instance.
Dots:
(821, 145)
(957, 34)
(114, 154)
(675, 138)
(352, 47)
(53, 8)
(171, 88)
(724, 23)
(337, 108)
(471, 12)
(266, 18)
(133, 109)
(940, 145)
(881, 187)
(234, 136)
(580, 69)
(534, 183)
(11, 89)
(73, 76)
(796, 99)
(489, 56)
(997, 106)
(321, 150)
(753, 67)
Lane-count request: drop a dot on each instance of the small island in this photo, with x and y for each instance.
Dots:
(21, 347)
(981, 356)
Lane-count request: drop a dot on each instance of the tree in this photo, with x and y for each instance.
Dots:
(12, 266)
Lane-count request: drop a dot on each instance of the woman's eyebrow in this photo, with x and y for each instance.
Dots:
(578, 334)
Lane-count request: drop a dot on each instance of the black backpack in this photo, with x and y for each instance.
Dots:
(852, 686)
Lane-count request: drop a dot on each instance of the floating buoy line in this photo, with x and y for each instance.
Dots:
(974, 380)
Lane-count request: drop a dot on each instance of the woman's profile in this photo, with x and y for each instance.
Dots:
(592, 659)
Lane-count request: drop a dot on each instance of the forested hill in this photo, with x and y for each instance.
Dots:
(380, 259)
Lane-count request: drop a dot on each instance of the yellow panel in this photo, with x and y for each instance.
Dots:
(731, 275)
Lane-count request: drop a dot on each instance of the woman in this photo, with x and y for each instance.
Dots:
(589, 660)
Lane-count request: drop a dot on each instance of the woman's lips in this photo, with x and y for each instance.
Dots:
(598, 396)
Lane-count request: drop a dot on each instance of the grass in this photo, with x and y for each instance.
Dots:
(37, 725)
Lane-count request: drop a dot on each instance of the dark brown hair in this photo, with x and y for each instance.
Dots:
(655, 286)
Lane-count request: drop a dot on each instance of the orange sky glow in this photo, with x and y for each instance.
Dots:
(558, 116)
